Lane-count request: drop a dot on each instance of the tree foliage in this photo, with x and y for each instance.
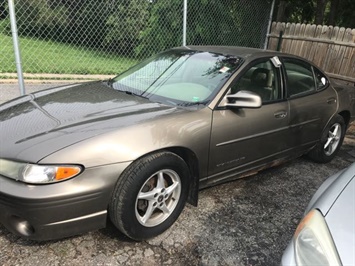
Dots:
(60, 21)
(329, 12)
(3, 10)
(226, 22)
(164, 25)
(144, 27)
(124, 25)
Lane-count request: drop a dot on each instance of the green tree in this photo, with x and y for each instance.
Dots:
(301, 11)
(331, 12)
(344, 13)
(212, 23)
(222, 22)
(36, 18)
(79, 22)
(3, 10)
(124, 25)
(87, 19)
(163, 29)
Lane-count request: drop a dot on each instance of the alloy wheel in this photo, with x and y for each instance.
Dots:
(158, 197)
(333, 140)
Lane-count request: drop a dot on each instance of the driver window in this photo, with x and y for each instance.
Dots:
(261, 79)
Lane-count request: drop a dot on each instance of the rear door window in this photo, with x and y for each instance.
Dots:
(299, 77)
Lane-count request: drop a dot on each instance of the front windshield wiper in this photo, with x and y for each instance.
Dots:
(187, 104)
(135, 94)
(125, 89)
(108, 82)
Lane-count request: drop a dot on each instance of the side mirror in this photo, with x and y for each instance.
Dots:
(244, 99)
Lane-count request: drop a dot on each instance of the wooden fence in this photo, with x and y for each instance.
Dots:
(331, 48)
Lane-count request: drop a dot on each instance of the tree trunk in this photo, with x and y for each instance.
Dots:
(352, 22)
(320, 11)
(281, 11)
(334, 6)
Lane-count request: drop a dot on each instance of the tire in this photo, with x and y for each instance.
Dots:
(331, 141)
(150, 195)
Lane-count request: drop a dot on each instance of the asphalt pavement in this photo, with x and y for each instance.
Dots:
(245, 222)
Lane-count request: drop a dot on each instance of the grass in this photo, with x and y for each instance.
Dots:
(39, 56)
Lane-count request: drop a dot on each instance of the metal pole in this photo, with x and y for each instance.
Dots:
(269, 24)
(279, 43)
(16, 47)
(184, 24)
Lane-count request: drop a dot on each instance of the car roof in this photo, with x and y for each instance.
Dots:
(247, 53)
(239, 51)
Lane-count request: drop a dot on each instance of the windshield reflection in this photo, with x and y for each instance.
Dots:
(178, 77)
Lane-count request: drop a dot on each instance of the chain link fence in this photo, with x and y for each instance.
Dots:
(108, 36)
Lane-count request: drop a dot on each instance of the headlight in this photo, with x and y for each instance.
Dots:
(313, 242)
(38, 174)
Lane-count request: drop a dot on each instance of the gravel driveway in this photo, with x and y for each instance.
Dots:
(245, 222)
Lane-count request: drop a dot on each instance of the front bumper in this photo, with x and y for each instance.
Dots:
(52, 211)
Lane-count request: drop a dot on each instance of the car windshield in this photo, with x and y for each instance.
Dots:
(178, 77)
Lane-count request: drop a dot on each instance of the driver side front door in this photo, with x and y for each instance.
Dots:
(247, 138)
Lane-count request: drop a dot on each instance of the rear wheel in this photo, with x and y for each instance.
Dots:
(150, 195)
(330, 142)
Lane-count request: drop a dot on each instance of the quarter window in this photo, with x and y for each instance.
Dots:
(321, 80)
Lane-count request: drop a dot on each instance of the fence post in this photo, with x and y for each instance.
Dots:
(184, 24)
(16, 47)
(269, 24)
(279, 42)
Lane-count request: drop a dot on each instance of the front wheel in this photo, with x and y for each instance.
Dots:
(330, 142)
(150, 195)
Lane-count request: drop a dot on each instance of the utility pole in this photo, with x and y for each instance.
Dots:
(16, 46)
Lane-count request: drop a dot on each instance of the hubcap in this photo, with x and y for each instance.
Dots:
(158, 198)
(333, 140)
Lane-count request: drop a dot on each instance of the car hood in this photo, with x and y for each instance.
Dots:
(336, 200)
(341, 221)
(38, 124)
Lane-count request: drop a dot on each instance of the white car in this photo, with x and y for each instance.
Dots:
(326, 235)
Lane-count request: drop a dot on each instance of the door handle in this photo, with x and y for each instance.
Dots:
(331, 100)
(281, 114)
